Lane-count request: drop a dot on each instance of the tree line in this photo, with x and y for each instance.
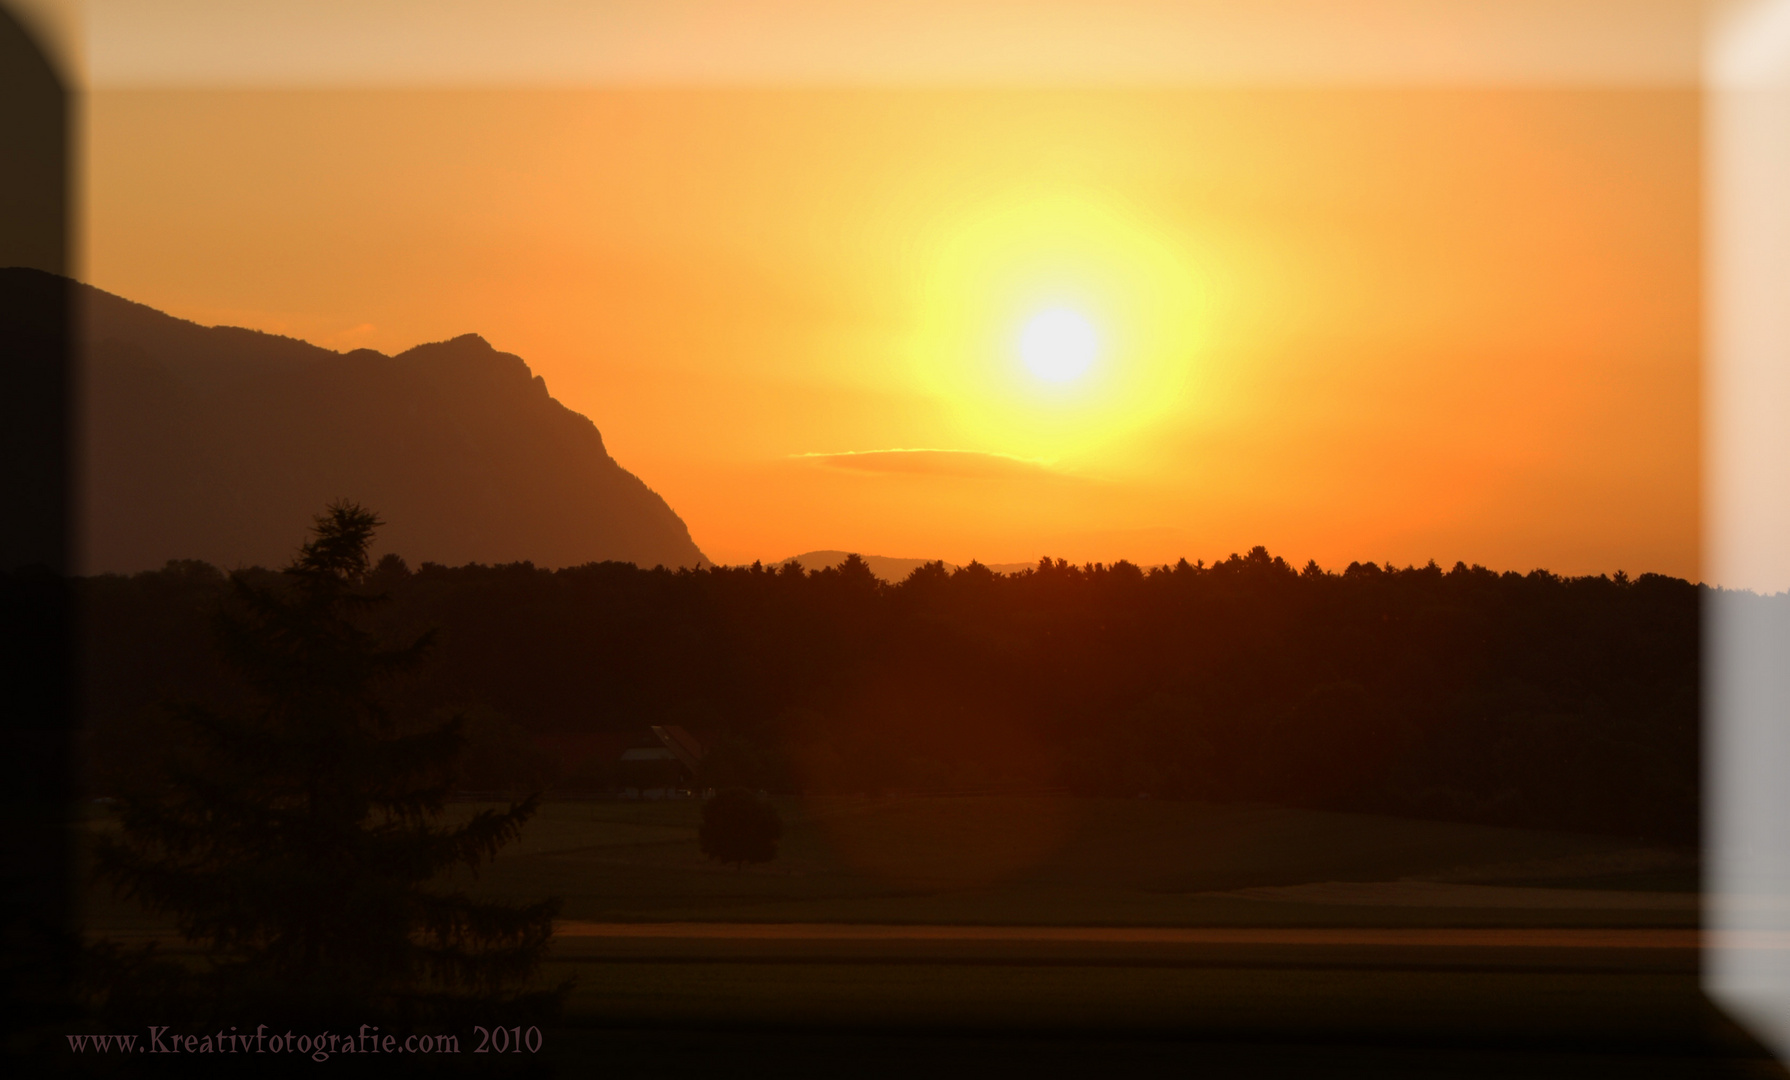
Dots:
(1465, 694)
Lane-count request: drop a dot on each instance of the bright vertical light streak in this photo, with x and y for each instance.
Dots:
(1747, 517)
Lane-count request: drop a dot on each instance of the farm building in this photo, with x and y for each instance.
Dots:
(669, 762)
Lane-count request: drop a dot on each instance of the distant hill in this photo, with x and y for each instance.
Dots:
(884, 567)
(219, 443)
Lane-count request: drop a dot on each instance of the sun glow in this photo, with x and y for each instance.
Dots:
(1058, 345)
(1054, 326)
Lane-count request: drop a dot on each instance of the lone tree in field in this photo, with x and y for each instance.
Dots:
(301, 843)
(739, 829)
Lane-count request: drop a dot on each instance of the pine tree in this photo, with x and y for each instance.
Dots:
(301, 844)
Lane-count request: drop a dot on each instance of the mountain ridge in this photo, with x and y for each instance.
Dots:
(221, 443)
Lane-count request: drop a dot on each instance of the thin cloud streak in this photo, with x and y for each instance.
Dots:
(963, 463)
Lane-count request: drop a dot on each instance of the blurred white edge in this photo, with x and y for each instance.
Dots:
(113, 44)
(1746, 517)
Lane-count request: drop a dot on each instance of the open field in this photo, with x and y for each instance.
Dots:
(1092, 862)
(1043, 861)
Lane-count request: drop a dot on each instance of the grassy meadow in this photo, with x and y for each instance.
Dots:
(1062, 861)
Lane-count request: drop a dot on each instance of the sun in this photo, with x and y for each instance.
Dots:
(1058, 345)
(1054, 325)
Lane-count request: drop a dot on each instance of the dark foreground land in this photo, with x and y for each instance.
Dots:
(1071, 937)
(1215, 1011)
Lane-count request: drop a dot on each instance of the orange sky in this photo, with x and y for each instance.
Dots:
(1347, 324)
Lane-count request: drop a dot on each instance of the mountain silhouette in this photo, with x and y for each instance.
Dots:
(220, 443)
(884, 567)
(888, 569)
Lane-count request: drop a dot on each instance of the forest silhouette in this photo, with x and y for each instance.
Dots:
(1517, 699)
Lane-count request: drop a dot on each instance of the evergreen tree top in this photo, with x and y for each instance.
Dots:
(302, 842)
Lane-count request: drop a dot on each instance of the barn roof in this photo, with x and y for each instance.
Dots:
(682, 745)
